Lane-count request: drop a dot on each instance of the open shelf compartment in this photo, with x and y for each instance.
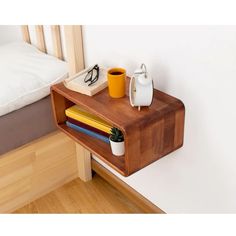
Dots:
(99, 148)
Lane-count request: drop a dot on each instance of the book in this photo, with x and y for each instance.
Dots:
(76, 83)
(88, 132)
(77, 113)
(76, 122)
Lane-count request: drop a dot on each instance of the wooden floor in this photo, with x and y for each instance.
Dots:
(95, 196)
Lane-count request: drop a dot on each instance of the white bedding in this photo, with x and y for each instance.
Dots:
(26, 75)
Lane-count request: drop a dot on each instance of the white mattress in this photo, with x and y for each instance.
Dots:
(26, 75)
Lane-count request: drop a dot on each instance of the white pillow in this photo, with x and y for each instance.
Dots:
(26, 75)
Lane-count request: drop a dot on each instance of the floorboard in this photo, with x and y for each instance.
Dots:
(95, 196)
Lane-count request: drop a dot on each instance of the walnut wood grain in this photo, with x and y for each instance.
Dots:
(149, 134)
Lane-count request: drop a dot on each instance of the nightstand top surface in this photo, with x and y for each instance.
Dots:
(118, 111)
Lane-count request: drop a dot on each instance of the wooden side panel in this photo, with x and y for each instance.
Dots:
(147, 142)
(56, 38)
(169, 132)
(40, 38)
(25, 33)
(74, 48)
(132, 149)
(33, 170)
(59, 104)
(179, 128)
(15, 175)
(158, 137)
(52, 157)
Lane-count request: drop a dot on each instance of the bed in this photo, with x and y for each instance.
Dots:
(34, 121)
(25, 108)
(35, 158)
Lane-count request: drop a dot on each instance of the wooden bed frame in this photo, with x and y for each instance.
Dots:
(43, 165)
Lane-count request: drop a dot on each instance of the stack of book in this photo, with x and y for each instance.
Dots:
(87, 123)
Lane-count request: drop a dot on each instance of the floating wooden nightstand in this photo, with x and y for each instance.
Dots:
(149, 134)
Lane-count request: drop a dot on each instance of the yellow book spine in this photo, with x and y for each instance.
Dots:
(87, 121)
(81, 112)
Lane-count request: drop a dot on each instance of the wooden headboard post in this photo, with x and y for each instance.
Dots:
(25, 33)
(40, 38)
(74, 48)
(56, 38)
(75, 57)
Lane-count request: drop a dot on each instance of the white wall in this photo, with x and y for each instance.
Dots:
(197, 65)
(9, 33)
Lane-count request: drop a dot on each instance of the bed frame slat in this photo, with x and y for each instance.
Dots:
(74, 48)
(40, 38)
(56, 39)
(25, 33)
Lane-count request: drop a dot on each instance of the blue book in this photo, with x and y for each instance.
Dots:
(88, 132)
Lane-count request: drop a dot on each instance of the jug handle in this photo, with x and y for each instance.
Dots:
(130, 90)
